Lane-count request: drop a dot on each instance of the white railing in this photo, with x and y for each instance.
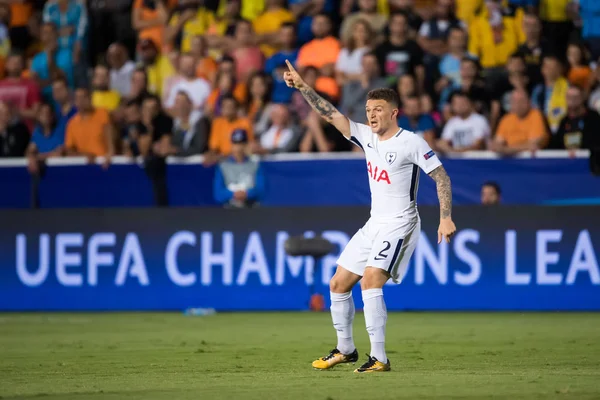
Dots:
(123, 160)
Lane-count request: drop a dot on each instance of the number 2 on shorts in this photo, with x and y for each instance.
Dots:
(382, 254)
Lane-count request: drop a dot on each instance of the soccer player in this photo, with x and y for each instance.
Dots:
(380, 250)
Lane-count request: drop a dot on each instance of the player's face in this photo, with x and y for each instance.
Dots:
(381, 115)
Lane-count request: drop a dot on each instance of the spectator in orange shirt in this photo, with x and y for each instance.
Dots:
(89, 132)
(322, 52)
(522, 129)
(223, 127)
(149, 18)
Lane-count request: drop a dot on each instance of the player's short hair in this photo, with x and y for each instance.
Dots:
(494, 185)
(386, 94)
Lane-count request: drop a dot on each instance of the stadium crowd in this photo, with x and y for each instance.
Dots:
(160, 78)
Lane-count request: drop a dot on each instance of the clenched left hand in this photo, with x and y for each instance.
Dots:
(446, 230)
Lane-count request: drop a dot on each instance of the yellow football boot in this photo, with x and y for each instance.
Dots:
(334, 358)
(373, 365)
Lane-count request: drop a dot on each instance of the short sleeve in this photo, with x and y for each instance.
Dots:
(360, 134)
(447, 132)
(422, 155)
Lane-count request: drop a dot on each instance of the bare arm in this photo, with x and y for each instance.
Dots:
(444, 191)
(138, 23)
(324, 108)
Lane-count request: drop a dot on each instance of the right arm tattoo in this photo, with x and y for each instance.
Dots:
(324, 108)
(444, 190)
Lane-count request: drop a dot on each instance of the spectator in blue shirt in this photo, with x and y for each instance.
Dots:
(71, 20)
(47, 141)
(414, 120)
(275, 66)
(48, 135)
(449, 67)
(239, 180)
(52, 62)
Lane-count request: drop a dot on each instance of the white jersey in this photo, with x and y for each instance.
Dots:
(393, 169)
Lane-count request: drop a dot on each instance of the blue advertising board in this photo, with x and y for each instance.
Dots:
(310, 182)
(502, 258)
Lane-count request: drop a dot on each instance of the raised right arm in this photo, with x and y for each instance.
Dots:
(324, 108)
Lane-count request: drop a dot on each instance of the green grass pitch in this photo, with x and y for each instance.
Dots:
(267, 356)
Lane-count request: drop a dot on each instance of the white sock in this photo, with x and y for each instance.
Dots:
(375, 319)
(342, 315)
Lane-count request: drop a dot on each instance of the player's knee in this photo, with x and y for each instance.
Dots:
(374, 278)
(338, 284)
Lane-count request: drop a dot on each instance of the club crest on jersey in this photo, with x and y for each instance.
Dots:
(390, 157)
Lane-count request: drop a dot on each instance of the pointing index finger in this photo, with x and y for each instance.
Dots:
(290, 66)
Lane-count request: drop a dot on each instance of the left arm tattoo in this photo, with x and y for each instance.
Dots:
(444, 191)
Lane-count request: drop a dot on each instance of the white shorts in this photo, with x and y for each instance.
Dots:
(382, 244)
